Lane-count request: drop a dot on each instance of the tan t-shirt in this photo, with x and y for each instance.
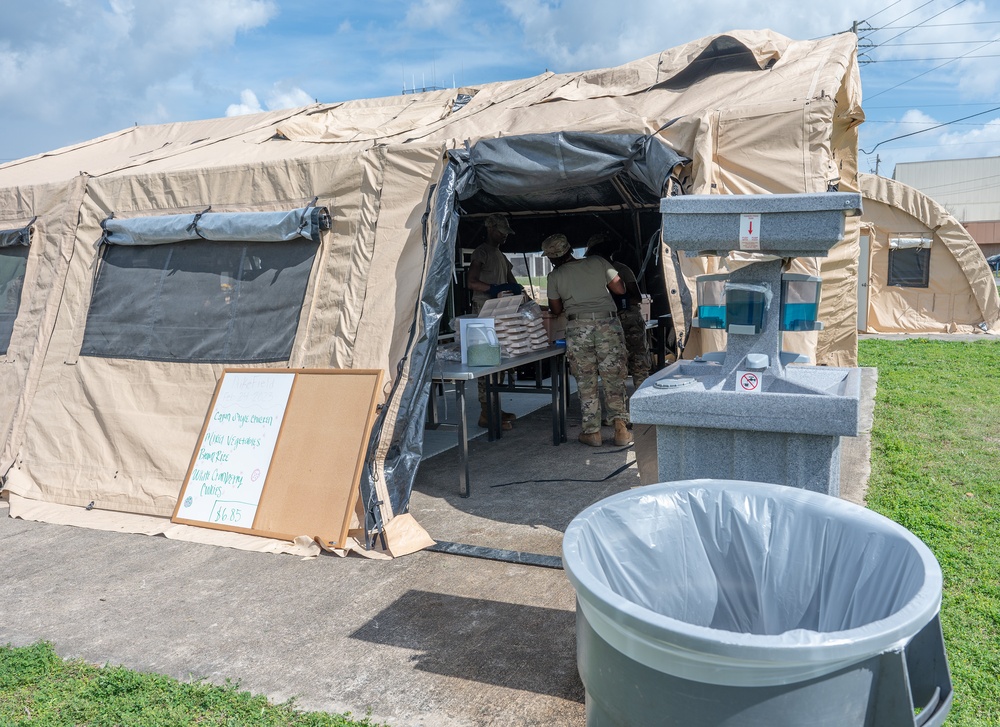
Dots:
(496, 269)
(582, 285)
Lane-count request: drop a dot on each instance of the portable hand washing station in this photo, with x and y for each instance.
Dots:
(738, 592)
(745, 413)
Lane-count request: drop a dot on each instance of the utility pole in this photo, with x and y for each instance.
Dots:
(878, 161)
(854, 27)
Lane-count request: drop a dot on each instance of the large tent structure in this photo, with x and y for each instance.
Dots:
(925, 272)
(334, 230)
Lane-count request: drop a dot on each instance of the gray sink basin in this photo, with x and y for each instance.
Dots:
(807, 400)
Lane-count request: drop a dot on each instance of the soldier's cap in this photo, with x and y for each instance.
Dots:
(555, 246)
(499, 223)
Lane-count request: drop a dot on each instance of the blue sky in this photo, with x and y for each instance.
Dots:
(71, 70)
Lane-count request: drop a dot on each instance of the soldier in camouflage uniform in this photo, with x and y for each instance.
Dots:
(595, 344)
(490, 274)
(640, 361)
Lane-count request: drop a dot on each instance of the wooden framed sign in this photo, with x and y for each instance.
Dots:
(281, 453)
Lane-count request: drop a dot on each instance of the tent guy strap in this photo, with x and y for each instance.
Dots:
(281, 226)
(18, 236)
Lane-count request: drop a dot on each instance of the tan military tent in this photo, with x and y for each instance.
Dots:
(925, 272)
(107, 368)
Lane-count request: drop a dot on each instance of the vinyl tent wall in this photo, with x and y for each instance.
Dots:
(961, 294)
(752, 110)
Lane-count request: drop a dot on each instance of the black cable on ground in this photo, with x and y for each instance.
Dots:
(505, 556)
(618, 471)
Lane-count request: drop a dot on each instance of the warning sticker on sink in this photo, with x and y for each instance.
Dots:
(748, 382)
(749, 232)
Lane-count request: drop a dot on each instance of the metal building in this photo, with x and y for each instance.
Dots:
(968, 188)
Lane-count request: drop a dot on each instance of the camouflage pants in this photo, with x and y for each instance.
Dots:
(597, 349)
(636, 344)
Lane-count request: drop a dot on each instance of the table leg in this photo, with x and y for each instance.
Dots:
(564, 392)
(556, 382)
(496, 418)
(433, 417)
(463, 441)
(491, 432)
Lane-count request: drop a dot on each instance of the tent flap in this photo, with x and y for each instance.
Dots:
(534, 166)
(282, 226)
(20, 236)
(906, 243)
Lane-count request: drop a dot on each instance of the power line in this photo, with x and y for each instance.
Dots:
(922, 60)
(931, 42)
(936, 145)
(891, 22)
(935, 68)
(923, 22)
(934, 106)
(931, 128)
(881, 11)
(964, 181)
(936, 25)
(900, 123)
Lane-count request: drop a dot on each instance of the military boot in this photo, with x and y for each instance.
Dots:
(505, 420)
(622, 435)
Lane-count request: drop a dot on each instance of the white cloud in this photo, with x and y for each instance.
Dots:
(279, 97)
(597, 33)
(432, 13)
(982, 141)
(248, 104)
(92, 66)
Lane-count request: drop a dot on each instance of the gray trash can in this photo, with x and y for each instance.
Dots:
(726, 603)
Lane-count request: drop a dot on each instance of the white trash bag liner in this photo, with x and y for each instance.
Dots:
(746, 583)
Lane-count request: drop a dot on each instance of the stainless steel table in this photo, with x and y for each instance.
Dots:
(458, 374)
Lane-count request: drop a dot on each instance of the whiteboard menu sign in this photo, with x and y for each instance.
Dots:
(231, 461)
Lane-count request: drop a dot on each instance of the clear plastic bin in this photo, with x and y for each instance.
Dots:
(800, 302)
(711, 301)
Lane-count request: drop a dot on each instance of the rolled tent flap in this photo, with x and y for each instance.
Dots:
(17, 237)
(520, 166)
(280, 226)
(909, 243)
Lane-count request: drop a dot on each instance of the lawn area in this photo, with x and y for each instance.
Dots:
(936, 471)
(37, 687)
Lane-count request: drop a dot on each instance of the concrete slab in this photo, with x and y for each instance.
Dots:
(428, 639)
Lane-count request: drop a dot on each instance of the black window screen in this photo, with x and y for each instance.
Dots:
(200, 302)
(13, 261)
(910, 267)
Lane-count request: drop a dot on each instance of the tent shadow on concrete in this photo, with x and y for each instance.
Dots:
(530, 648)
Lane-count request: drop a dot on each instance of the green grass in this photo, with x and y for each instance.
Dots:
(936, 471)
(37, 687)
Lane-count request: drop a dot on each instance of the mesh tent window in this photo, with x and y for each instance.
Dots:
(909, 262)
(206, 288)
(14, 246)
